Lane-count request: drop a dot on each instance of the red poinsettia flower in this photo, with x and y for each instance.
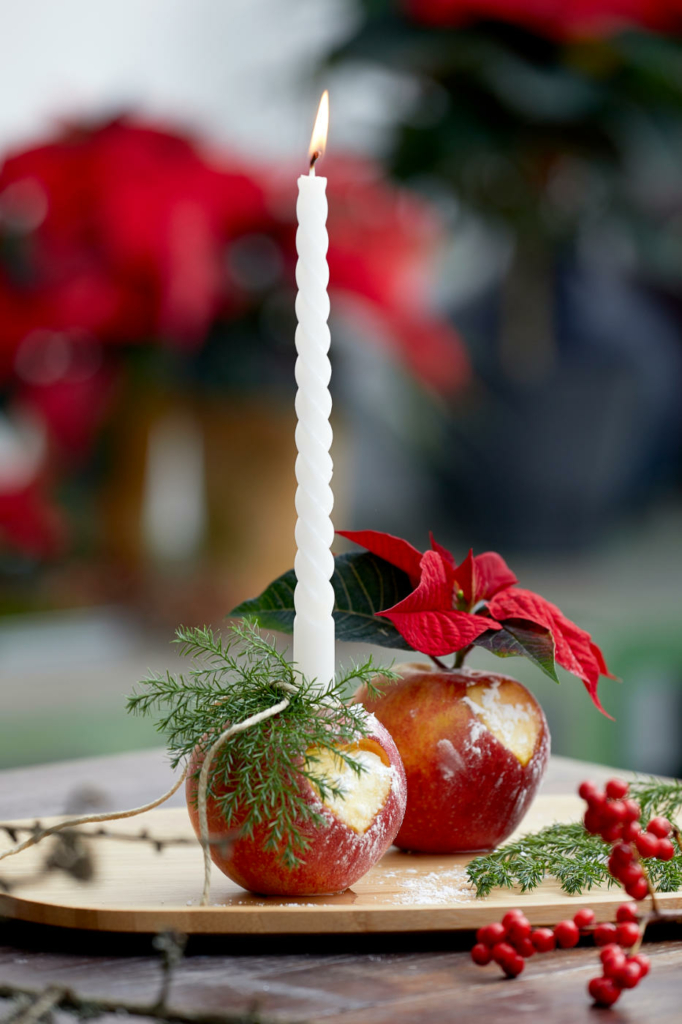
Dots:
(121, 233)
(29, 523)
(556, 19)
(452, 605)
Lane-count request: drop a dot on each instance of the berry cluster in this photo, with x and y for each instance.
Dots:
(617, 819)
(511, 941)
(619, 970)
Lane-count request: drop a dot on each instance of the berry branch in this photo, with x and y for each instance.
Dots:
(32, 1005)
(38, 835)
(613, 820)
(577, 858)
(71, 852)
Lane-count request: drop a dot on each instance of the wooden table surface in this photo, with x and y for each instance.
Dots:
(337, 980)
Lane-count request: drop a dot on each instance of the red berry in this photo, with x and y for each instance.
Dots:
(512, 916)
(622, 853)
(628, 933)
(666, 850)
(616, 789)
(503, 951)
(647, 844)
(584, 919)
(593, 821)
(617, 866)
(605, 934)
(631, 829)
(643, 961)
(491, 933)
(639, 890)
(481, 954)
(614, 964)
(513, 966)
(603, 991)
(629, 975)
(615, 812)
(543, 940)
(589, 791)
(566, 934)
(633, 810)
(627, 912)
(524, 947)
(612, 954)
(630, 874)
(519, 931)
(659, 827)
(613, 833)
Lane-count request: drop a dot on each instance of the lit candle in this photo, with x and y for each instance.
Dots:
(314, 596)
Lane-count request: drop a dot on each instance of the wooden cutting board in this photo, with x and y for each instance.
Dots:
(137, 889)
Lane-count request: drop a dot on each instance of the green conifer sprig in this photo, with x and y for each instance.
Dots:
(256, 776)
(575, 858)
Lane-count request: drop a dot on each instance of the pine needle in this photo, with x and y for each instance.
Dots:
(575, 858)
(256, 776)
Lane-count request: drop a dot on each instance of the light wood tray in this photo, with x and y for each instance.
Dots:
(140, 890)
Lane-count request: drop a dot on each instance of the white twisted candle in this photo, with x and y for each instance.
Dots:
(314, 595)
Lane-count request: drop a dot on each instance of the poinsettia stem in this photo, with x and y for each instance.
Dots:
(461, 655)
(440, 664)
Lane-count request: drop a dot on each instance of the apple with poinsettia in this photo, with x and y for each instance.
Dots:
(474, 744)
(354, 821)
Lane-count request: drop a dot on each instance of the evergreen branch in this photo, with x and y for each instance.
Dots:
(566, 852)
(658, 798)
(575, 858)
(256, 776)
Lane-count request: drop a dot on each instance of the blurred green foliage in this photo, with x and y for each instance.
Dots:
(551, 138)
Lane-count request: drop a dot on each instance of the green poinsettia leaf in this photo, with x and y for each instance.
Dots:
(520, 638)
(363, 585)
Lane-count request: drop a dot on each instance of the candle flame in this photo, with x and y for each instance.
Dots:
(318, 140)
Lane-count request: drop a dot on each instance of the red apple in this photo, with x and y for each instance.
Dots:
(475, 747)
(358, 828)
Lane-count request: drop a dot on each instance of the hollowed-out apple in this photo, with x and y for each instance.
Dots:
(475, 747)
(358, 827)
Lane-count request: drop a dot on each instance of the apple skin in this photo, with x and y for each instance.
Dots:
(466, 790)
(337, 856)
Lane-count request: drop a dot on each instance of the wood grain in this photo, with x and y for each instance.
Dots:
(140, 890)
(397, 978)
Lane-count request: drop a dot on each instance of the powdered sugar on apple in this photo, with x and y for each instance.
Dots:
(450, 760)
(503, 718)
(476, 730)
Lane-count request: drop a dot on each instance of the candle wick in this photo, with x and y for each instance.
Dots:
(314, 157)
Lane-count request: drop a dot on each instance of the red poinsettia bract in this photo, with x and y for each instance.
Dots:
(453, 605)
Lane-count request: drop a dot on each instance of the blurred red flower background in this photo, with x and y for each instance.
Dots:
(557, 19)
(118, 236)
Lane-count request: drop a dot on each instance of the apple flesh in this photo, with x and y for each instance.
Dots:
(475, 746)
(358, 827)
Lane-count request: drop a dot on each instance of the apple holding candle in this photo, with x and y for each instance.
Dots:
(352, 822)
(474, 744)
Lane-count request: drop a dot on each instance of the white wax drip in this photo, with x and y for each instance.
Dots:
(314, 595)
